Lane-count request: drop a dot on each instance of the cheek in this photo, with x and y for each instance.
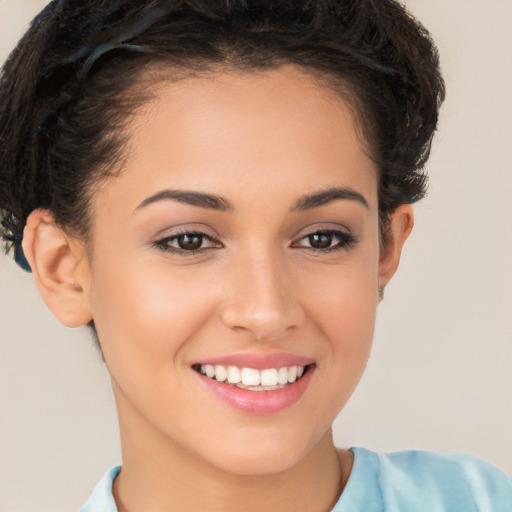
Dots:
(145, 314)
(350, 309)
(344, 298)
(343, 302)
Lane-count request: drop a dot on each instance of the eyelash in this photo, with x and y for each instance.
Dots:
(346, 241)
(163, 244)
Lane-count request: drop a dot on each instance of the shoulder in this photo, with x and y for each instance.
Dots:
(425, 481)
(101, 498)
(452, 479)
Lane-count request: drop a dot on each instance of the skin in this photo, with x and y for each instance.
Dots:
(261, 141)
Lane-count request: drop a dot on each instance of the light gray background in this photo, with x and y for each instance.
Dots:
(440, 374)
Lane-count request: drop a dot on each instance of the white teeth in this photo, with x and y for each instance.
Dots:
(261, 388)
(250, 377)
(282, 375)
(234, 376)
(220, 373)
(269, 377)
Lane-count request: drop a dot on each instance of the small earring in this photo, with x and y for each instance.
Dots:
(381, 293)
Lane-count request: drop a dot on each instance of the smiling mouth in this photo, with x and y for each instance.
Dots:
(251, 379)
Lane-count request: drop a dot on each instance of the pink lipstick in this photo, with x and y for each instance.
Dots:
(256, 383)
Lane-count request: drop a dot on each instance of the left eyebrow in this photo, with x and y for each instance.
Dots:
(215, 202)
(328, 196)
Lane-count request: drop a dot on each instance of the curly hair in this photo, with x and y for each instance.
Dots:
(68, 89)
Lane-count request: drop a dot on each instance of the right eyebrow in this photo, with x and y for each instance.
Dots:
(200, 199)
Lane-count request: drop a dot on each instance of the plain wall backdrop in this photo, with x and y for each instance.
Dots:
(440, 374)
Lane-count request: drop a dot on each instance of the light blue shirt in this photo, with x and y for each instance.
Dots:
(410, 481)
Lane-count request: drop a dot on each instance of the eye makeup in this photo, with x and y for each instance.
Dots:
(187, 242)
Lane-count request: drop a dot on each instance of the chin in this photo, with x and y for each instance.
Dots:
(258, 464)
(263, 455)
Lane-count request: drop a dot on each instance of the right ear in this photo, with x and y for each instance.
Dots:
(59, 265)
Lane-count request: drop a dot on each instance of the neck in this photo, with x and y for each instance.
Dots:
(159, 475)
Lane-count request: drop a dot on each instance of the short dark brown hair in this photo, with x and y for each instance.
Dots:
(65, 90)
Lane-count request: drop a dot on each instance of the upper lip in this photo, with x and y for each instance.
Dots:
(258, 361)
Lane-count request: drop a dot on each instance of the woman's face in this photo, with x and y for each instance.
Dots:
(241, 237)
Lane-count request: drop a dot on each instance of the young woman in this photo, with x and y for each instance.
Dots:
(221, 190)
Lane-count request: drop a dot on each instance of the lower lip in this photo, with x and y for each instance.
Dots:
(258, 402)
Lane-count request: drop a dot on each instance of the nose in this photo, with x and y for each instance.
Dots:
(261, 298)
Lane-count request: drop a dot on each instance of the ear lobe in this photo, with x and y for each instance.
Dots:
(400, 226)
(57, 263)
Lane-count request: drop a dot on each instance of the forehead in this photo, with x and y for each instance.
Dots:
(256, 100)
(236, 131)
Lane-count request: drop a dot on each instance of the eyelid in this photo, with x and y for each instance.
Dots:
(162, 243)
(345, 237)
(322, 227)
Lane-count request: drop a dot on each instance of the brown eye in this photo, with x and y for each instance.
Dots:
(190, 242)
(187, 243)
(324, 241)
(320, 240)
